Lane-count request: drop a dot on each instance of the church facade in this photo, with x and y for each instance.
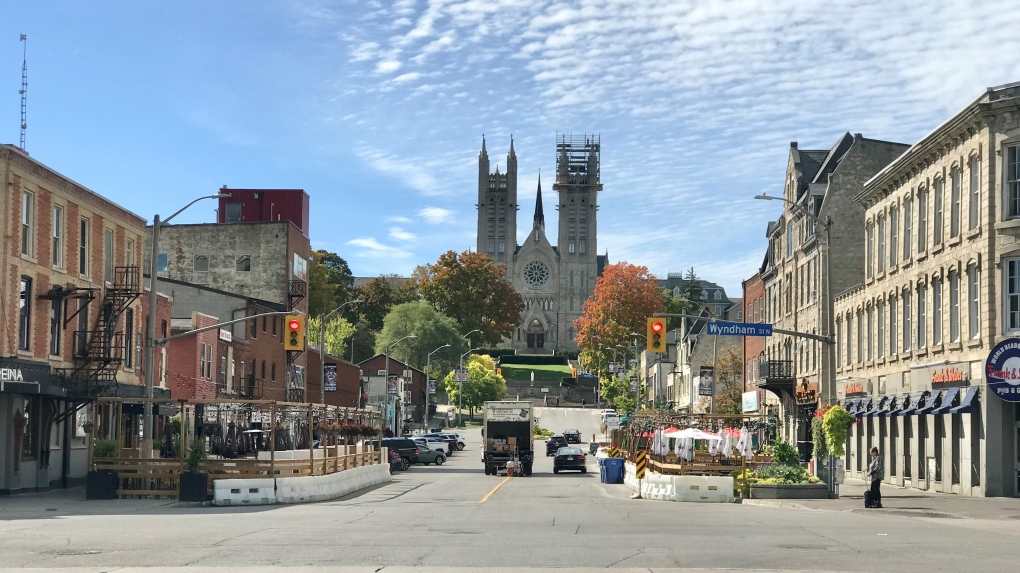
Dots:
(554, 280)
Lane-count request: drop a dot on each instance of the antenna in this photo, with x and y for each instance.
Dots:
(24, 88)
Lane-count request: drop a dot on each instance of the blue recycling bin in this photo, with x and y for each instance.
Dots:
(611, 470)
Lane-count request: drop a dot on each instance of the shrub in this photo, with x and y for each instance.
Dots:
(783, 474)
(196, 455)
(819, 439)
(541, 432)
(784, 454)
(105, 449)
(837, 424)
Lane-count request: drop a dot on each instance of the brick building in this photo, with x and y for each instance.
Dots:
(348, 380)
(72, 319)
(754, 346)
(408, 400)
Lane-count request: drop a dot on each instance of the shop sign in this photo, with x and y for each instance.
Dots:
(226, 336)
(855, 390)
(11, 375)
(1002, 370)
(807, 392)
(749, 401)
(949, 377)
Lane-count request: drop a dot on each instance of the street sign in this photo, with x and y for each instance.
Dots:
(739, 329)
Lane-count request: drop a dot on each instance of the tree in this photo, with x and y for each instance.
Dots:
(431, 330)
(483, 384)
(473, 290)
(625, 296)
(338, 273)
(729, 384)
(687, 301)
(321, 293)
(381, 294)
(338, 331)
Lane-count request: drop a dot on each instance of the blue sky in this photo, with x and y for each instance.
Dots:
(377, 108)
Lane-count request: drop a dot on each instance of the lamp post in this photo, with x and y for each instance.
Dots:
(386, 380)
(425, 407)
(460, 388)
(150, 327)
(322, 344)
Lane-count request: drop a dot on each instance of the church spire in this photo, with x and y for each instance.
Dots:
(483, 153)
(539, 214)
(512, 146)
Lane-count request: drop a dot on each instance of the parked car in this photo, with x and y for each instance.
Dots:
(572, 436)
(435, 430)
(398, 463)
(457, 438)
(569, 459)
(427, 456)
(594, 446)
(437, 443)
(554, 443)
(404, 446)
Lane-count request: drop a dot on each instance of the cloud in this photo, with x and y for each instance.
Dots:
(408, 77)
(436, 215)
(400, 234)
(372, 248)
(387, 66)
(398, 220)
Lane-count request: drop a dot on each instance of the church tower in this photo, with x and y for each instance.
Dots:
(497, 207)
(578, 184)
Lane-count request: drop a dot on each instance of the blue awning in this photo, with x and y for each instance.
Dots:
(902, 402)
(929, 404)
(854, 404)
(947, 401)
(912, 405)
(966, 402)
(880, 406)
(863, 408)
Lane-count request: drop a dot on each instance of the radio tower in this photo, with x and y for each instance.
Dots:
(24, 88)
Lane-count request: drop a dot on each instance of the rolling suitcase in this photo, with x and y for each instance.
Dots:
(869, 500)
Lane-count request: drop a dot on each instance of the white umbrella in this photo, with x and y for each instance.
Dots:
(714, 447)
(744, 445)
(692, 433)
(726, 448)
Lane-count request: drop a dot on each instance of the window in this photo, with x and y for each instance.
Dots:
(871, 331)
(232, 212)
(254, 326)
(108, 255)
(939, 198)
(906, 319)
(273, 372)
(936, 311)
(263, 324)
(740, 315)
(201, 263)
(263, 370)
(162, 263)
(129, 253)
(1013, 295)
(81, 336)
(974, 210)
(954, 203)
(274, 326)
(27, 223)
(839, 343)
(922, 221)
(242, 263)
(908, 215)
(718, 295)
(84, 240)
(1012, 181)
(870, 260)
(25, 315)
(789, 240)
(922, 320)
(881, 329)
(58, 238)
(954, 306)
(129, 328)
(56, 322)
(704, 295)
(571, 247)
(208, 361)
(718, 310)
(973, 320)
(860, 336)
(492, 245)
(881, 244)
(502, 246)
(894, 221)
(892, 326)
(201, 359)
(583, 245)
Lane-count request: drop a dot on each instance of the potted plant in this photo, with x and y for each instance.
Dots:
(102, 484)
(194, 486)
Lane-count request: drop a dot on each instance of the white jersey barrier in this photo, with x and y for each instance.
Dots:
(700, 489)
(630, 476)
(260, 491)
(303, 489)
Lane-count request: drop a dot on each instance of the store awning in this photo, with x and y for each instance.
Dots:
(902, 401)
(912, 405)
(947, 401)
(878, 404)
(929, 404)
(854, 403)
(967, 404)
(865, 405)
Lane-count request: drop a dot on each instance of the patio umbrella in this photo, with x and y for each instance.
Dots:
(744, 444)
(726, 447)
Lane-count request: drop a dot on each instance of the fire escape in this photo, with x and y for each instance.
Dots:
(296, 383)
(99, 350)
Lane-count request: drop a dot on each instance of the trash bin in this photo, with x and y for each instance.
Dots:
(612, 469)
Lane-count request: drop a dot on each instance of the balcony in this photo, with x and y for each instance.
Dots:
(772, 372)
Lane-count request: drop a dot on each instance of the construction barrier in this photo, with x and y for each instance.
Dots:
(703, 489)
(630, 477)
(322, 488)
(244, 491)
(640, 463)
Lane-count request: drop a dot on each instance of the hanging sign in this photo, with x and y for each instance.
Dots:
(706, 381)
(330, 382)
(1002, 370)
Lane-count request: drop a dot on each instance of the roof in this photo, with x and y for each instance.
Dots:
(831, 160)
(394, 360)
(674, 280)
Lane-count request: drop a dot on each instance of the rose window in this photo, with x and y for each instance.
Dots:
(536, 274)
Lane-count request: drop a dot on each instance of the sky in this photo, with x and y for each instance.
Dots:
(377, 108)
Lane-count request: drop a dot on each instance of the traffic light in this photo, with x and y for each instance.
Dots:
(656, 333)
(295, 339)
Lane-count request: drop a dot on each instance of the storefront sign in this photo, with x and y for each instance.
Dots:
(226, 335)
(750, 401)
(807, 392)
(855, 390)
(1002, 370)
(11, 375)
(949, 377)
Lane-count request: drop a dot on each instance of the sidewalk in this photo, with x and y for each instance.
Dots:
(901, 501)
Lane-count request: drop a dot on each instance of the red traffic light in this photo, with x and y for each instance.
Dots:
(294, 325)
(657, 327)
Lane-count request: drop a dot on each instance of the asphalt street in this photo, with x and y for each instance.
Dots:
(434, 519)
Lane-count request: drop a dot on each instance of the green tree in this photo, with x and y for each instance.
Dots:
(321, 292)
(684, 302)
(431, 330)
(473, 290)
(338, 332)
(338, 273)
(483, 384)
(729, 384)
(381, 294)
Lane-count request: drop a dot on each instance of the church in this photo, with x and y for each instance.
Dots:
(554, 280)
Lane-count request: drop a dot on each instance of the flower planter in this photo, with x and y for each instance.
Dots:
(101, 484)
(193, 487)
(790, 491)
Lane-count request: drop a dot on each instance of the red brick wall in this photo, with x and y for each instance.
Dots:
(185, 378)
(754, 290)
(266, 347)
(163, 308)
(348, 383)
(373, 365)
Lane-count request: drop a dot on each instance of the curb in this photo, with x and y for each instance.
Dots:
(856, 510)
(778, 503)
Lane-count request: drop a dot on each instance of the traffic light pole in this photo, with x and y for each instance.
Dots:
(165, 339)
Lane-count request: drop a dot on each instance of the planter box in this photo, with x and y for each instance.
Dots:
(193, 487)
(101, 484)
(790, 491)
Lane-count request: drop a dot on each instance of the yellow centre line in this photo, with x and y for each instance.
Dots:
(486, 498)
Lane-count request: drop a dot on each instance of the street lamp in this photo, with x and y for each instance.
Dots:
(150, 327)
(460, 388)
(322, 344)
(425, 407)
(386, 380)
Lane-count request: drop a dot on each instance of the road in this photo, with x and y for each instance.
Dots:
(434, 519)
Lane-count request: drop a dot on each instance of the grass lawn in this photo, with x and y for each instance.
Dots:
(543, 372)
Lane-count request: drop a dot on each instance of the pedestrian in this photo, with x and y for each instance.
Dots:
(876, 474)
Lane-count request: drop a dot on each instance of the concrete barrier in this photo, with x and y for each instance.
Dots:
(703, 489)
(332, 486)
(630, 477)
(244, 492)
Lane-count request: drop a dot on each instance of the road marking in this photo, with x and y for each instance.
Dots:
(486, 498)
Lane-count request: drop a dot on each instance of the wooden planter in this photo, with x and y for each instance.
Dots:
(790, 491)
(193, 487)
(101, 484)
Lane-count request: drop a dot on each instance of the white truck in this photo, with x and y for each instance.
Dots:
(508, 429)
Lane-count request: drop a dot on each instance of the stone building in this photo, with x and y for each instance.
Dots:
(939, 288)
(553, 280)
(819, 184)
(72, 320)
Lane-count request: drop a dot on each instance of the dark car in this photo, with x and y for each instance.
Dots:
(594, 447)
(398, 463)
(404, 446)
(569, 459)
(554, 443)
(572, 436)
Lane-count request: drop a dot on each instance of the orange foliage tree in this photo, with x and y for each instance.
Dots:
(625, 295)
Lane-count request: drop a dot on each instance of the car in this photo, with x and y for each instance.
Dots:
(435, 430)
(554, 443)
(569, 459)
(461, 442)
(594, 446)
(427, 456)
(572, 436)
(398, 463)
(441, 441)
(404, 446)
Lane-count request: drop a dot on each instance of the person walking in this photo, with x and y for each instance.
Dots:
(876, 473)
